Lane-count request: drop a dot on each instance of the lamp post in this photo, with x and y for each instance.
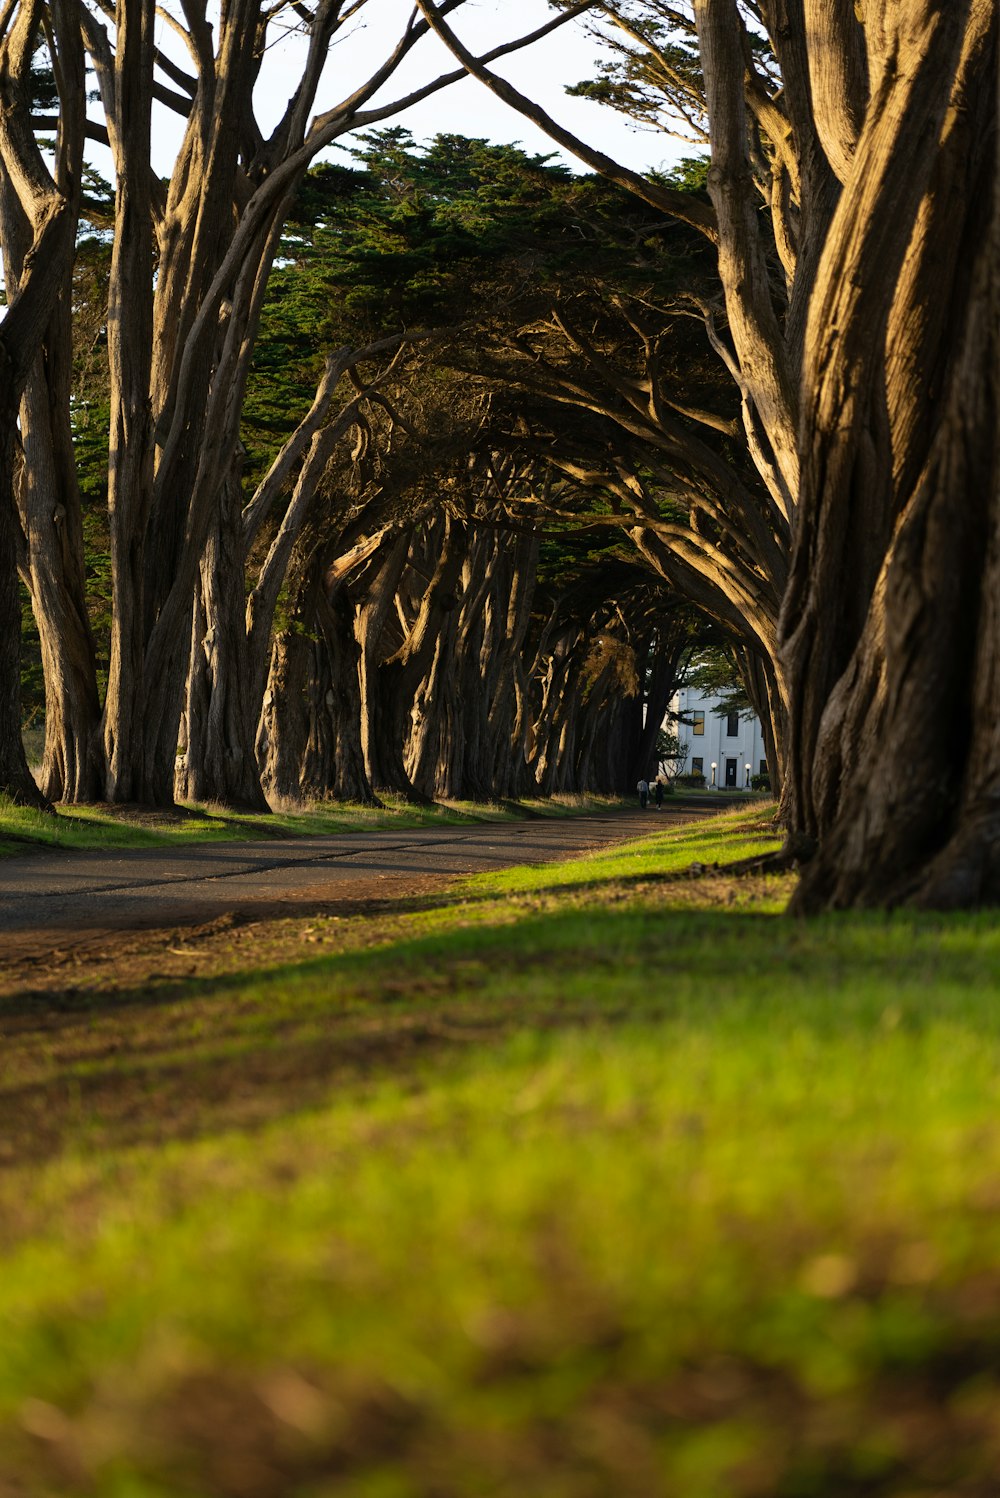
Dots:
(747, 768)
(712, 787)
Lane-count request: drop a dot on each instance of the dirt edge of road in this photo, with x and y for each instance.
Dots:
(266, 931)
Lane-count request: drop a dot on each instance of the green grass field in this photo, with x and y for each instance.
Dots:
(598, 1181)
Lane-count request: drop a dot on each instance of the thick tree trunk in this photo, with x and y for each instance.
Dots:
(219, 763)
(284, 723)
(899, 770)
(38, 214)
(436, 743)
(591, 727)
(333, 762)
(383, 755)
(16, 780)
(848, 501)
(509, 617)
(557, 721)
(130, 331)
(912, 728)
(447, 755)
(391, 681)
(51, 512)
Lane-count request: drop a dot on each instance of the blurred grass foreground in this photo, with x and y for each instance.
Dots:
(600, 1180)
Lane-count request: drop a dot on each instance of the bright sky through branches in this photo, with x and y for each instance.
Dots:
(542, 71)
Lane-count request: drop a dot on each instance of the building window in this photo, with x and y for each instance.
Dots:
(732, 725)
(698, 725)
(763, 767)
(697, 765)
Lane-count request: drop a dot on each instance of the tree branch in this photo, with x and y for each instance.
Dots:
(684, 206)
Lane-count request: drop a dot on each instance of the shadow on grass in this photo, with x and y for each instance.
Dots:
(200, 1055)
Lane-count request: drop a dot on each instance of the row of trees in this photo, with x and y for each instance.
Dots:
(854, 216)
(187, 280)
(375, 606)
(777, 393)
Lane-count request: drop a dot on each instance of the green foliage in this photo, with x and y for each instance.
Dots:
(671, 755)
(690, 174)
(712, 670)
(652, 82)
(408, 236)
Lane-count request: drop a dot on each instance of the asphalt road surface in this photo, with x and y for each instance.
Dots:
(138, 888)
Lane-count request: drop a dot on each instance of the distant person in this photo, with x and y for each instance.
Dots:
(643, 789)
(658, 792)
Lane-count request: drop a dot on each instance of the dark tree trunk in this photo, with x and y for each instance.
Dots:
(333, 763)
(126, 729)
(899, 775)
(559, 720)
(284, 723)
(508, 620)
(913, 726)
(383, 754)
(38, 215)
(50, 505)
(16, 780)
(219, 763)
(391, 685)
(436, 746)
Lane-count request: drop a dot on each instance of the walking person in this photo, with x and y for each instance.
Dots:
(643, 789)
(658, 792)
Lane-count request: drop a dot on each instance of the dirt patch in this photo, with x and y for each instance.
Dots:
(251, 933)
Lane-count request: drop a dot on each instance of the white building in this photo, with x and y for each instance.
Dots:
(726, 748)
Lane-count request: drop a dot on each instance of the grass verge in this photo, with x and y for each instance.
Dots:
(591, 1181)
(101, 826)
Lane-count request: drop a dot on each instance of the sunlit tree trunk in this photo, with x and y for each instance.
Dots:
(890, 619)
(38, 208)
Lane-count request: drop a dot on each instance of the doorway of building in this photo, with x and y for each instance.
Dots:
(731, 768)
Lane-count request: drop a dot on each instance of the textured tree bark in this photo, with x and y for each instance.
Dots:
(509, 619)
(333, 764)
(902, 812)
(402, 674)
(556, 720)
(766, 375)
(450, 714)
(383, 752)
(130, 470)
(490, 636)
(219, 763)
(37, 226)
(16, 780)
(284, 721)
(847, 500)
(52, 520)
(913, 722)
(48, 492)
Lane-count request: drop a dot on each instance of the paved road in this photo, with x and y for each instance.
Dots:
(141, 887)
